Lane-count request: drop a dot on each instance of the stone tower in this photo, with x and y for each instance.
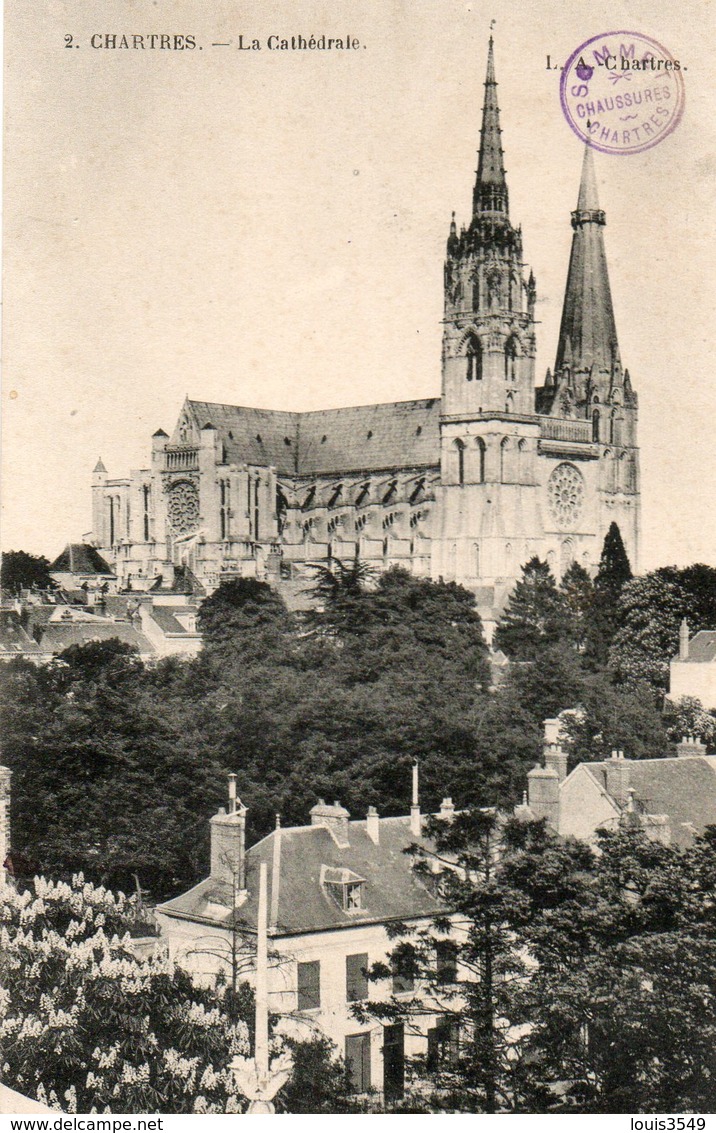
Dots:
(488, 342)
(589, 381)
(489, 433)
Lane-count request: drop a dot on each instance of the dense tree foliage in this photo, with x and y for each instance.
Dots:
(22, 571)
(579, 981)
(88, 1027)
(536, 615)
(651, 610)
(605, 614)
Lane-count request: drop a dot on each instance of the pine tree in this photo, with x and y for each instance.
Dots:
(604, 617)
(578, 591)
(536, 615)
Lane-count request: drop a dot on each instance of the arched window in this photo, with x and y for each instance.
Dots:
(476, 559)
(504, 456)
(111, 521)
(145, 495)
(595, 426)
(510, 359)
(480, 461)
(460, 449)
(510, 403)
(522, 461)
(474, 359)
(567, 556)
(613, 427)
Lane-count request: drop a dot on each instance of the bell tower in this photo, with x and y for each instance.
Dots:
(488, 340)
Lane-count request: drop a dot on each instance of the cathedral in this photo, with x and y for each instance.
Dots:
(466, 486)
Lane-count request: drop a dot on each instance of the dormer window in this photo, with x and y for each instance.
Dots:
(344, 886)
(352, 896)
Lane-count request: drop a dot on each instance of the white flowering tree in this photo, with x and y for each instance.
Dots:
(88, 1027)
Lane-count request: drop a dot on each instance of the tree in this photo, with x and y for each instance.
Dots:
(604, 615)
(89, 1027)
(578, 591)
(580, 981)
(22, 571)
(319, 1083)
(536, 615)
(651, 610)
(243, 619)
(687, 717)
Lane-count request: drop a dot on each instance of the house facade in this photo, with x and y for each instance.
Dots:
(692, 672)
(333, 887)
(464, 486)
(672, 799)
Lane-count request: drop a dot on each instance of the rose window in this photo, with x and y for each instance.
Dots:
(565, 490)
(183, 507)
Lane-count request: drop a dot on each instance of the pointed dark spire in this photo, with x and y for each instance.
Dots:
(490, 193)
(588, 333)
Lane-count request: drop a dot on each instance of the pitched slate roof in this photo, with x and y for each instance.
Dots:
(80, 558)
(60, 635)
(392, 890)
(682, 788)
(15, 641)
(702, 647)
(166, 619)
(364, 438)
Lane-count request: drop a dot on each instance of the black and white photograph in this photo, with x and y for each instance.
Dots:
(358, 591)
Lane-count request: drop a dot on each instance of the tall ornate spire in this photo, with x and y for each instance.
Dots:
(490, 193)
(588, 333)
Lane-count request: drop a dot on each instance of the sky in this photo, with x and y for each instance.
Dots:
(268, 228)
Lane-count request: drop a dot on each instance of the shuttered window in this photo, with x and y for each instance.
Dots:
(356, 980)
(358, 1062)
(309, 985)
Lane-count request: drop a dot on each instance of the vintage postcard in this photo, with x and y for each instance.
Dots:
(357, 445)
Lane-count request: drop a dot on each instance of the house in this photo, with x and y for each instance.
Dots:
(334, 885)
(692, 672)
(81, 567)
(672, 799)
(15, 641)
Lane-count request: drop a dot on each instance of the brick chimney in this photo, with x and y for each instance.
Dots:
(228, 842)
(447, 810)
(684, 641)
(372, 825)
(543, 794)
(334, 818)
(690, 746)
(618, 777)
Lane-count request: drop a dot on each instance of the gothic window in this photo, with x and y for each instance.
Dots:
(183, 507)
(511, 359)
(476, 293)
(474, 359)
(613, 428)
(111, 521)
(567, 556)
(481, 460)
(146, 496)
(476, 559)
(256, 508)
(565, 493)
(521, 461)
(504, 456)
(460, 448)
(510, 403)
(595, 426)
(223, 508)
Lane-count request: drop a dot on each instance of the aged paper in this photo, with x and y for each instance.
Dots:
(267, 227)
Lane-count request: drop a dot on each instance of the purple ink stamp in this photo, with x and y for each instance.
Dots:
(622, 92)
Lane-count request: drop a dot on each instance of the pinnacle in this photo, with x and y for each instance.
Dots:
(490, 193)
(588, 197)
